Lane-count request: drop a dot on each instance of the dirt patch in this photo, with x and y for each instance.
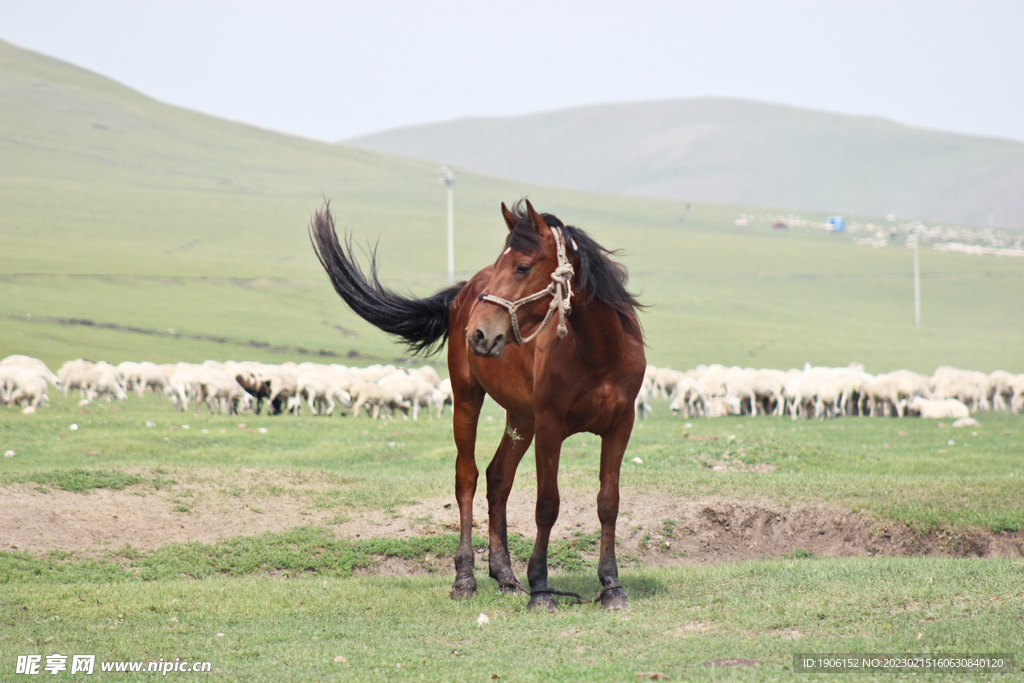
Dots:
(665, 531)
(653, 529)
(90, 525)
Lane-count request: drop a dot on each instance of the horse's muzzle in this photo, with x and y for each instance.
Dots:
(487, 345)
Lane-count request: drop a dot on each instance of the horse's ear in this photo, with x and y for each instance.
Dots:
(536, 219)
(510, 220)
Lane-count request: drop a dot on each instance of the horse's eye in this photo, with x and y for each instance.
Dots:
(523, 268)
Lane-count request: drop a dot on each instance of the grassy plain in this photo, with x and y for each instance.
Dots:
(288, 603)
(183, 238)
(270, 629)
(905, 470)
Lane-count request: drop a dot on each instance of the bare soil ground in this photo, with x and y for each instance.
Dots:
(653, 529)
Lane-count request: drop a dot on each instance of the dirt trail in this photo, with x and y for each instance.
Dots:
(655, 529)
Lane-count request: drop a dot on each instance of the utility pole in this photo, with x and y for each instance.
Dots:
(917, 280)
(448, 178)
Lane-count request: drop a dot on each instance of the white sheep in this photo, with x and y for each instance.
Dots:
(372, 373)
(34, 364)
(1000, 390)
(894, 390)
(322, 391)
(768, 385)
(713, 379)
(429, 374)
(821, 389)
(793, 393)
(448, 396)
(432, 398)
(103, 379)
(1017, 385)
(181, 386)
(372, 395)
(413, 389)
(969, 387)
(937, 409)
(690, 399)
(141, 376)
(854, 387)
(739, 391)
(25, 387)
(129, 371)
(7, 381)
(665, 380)
(216, 386)
(73, 375)
(642, 402)
(282, 380)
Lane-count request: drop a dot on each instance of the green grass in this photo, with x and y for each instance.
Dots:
(899, 469)
(80, 481)
(296, 552)
(288, 602)
(270, 629)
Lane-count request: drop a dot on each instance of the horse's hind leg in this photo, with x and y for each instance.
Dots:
(500, 475)
(613, 448)
(466, 411)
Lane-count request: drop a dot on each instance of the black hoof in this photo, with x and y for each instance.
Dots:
(614, 599)
(508, 582)
(542, 602)
(464, 589)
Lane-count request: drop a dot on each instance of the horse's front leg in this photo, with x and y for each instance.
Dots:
(500, 475)
(613, 448)
(547, 451)
(466, 411)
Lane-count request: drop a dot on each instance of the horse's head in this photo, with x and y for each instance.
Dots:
(529, 283)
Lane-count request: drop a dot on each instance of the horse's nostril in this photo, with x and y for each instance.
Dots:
(478, 336)
(500, 338)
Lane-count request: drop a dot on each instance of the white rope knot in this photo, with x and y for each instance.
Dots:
(560, 291)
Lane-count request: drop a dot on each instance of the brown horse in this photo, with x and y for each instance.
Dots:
(579, 374)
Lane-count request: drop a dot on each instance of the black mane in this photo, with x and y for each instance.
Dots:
(597, 275)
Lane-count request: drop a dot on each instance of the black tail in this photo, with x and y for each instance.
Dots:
(421, 323)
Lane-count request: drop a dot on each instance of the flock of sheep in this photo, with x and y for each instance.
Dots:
(711, 390)
(708, 390)
(232, 387)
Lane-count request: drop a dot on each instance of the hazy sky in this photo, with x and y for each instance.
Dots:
(331, 70)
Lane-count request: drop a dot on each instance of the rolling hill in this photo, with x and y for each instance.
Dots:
(737, 151)
(135, 230)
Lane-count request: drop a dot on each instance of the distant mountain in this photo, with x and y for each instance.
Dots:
(737, 151)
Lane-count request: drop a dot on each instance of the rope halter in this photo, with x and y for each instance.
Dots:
(560, 290)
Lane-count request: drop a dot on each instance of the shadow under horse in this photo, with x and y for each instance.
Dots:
(551, 333)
